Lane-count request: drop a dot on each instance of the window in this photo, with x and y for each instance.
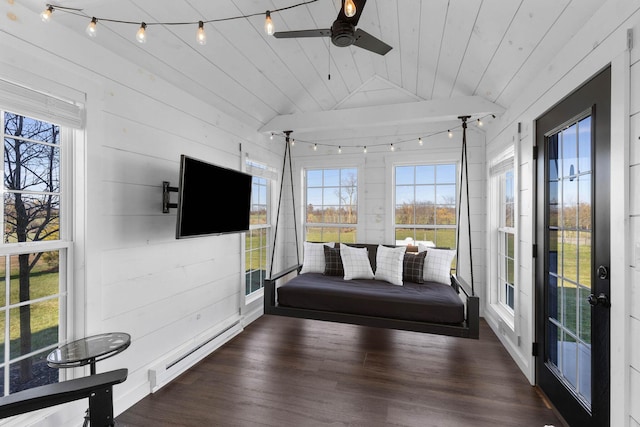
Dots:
(425, 205)
(331, 205)
(506, 240)
(503, 252)
(257, 246)
(33, 251)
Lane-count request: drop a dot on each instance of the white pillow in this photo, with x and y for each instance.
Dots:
(313, 258)
(389, 264)
(424, 246)
(355, 262)
(437, 265)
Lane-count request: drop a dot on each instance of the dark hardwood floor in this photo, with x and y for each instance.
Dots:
(296, 372)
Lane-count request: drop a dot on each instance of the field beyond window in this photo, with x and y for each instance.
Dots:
(331, 204)
(425, 204)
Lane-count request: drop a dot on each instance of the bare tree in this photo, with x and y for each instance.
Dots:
(31, 182)
(348, 194)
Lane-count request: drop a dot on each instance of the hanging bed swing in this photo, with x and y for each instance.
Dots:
(319, 290)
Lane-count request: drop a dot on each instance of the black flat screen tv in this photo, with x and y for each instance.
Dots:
(212, 199)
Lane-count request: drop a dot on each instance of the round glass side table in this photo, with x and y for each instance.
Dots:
(89, 350)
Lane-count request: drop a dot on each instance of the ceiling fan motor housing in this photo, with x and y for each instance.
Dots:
(342, 33)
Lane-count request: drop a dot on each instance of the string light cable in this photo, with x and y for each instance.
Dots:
(389, 146)
(143, 25)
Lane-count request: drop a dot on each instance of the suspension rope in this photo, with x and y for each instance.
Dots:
(464, 170)
(287, 154)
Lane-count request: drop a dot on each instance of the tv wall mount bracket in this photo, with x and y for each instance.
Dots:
(167, 189)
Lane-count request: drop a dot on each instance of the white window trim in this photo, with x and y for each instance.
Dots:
(67, 115)
(435, 158)
(504, 161)
(259, 169)
(391, 192)
(303, 205)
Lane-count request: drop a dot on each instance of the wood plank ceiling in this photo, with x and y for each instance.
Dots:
(443, 50)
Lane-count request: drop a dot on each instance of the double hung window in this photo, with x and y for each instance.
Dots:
(33, 252)
(257, 239)
(425, 205)
(331, 201)
(506, 240)
(502, 202)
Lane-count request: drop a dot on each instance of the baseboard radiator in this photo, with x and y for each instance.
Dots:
(191, 353)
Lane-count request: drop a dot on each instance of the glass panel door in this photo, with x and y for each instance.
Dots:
(572, 254)
(569, 228)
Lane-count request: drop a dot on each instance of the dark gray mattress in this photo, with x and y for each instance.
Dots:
(428, 302)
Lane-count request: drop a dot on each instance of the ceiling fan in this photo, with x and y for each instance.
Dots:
(343, 32)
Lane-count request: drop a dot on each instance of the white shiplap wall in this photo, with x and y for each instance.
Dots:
(132, 274)
(601, 42)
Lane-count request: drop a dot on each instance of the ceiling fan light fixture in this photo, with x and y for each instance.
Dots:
(268, 24)
(92, 29)
(141, 35)
(201, 36)
(349, 8)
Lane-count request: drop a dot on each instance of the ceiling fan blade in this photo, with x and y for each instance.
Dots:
(355, 18)
(369, 42)
(302, 33)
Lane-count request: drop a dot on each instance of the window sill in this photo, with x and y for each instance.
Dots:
(507, 316)
(254, 296)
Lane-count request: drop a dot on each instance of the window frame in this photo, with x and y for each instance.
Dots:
(505, 230)
(503, 164)
(64, 245)
(327, 225)
(258, 171)
(417, 226)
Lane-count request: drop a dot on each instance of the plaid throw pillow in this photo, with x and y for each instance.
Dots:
(389, 263)
(355, 262)
(413, 267)
(333, 262)
(313, 261)
(437, 265)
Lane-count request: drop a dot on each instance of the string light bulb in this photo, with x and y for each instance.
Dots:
(141, 35)
(315, 147)
(293, 142)
(201, 36)
(480, 123)
(420, 141)
(365, 150)
(339, 149)
(392, 148)
(268, 24)
(271, 136)
(349, 8)
(92, 27)
(46, 14)
(450, 133)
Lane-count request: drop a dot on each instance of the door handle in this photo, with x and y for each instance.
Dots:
(601, 299)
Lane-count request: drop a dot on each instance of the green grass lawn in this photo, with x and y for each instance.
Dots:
(44, 281)
(574, 311)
